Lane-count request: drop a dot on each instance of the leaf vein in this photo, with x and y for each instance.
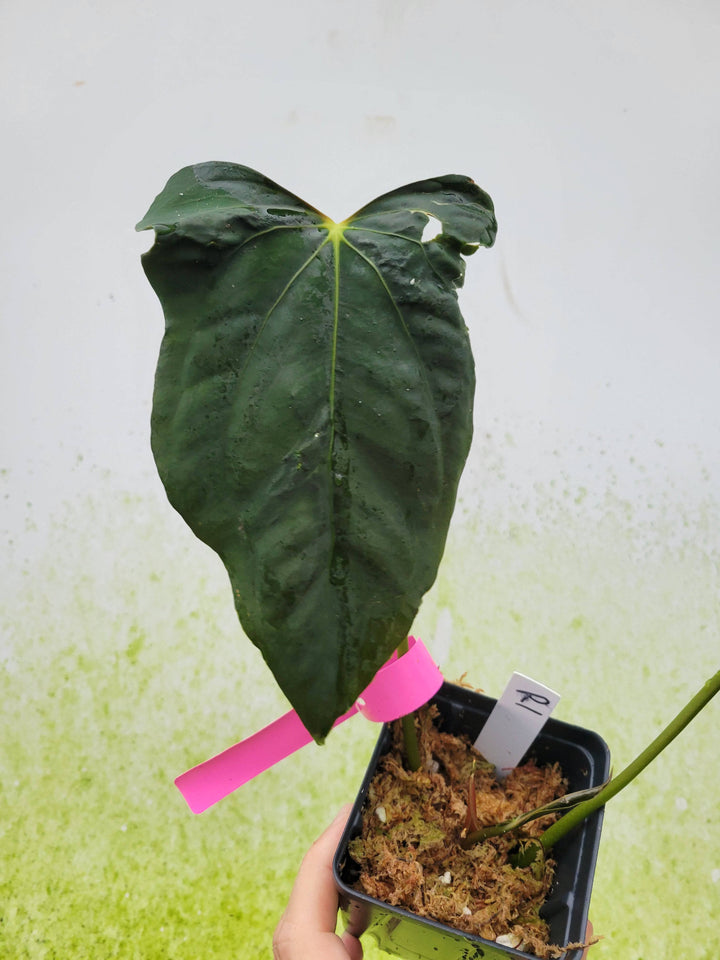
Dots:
(301, 269)
(411, 340)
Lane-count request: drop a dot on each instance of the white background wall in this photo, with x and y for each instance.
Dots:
(596, 129)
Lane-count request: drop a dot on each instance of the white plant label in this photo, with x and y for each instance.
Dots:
(515, 721)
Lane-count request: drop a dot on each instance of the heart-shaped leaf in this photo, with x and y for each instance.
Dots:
(313, 408)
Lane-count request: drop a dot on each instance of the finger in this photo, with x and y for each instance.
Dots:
(352, 946)
(588, 936)
(313, 902)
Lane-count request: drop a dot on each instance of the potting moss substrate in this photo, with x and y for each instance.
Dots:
(123, 665)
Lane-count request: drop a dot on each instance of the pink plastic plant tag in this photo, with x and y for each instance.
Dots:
(402, 685)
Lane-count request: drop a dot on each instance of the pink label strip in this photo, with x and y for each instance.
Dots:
(404, 684)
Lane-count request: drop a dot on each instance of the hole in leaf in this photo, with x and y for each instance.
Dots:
(433, 229)
(143, 240)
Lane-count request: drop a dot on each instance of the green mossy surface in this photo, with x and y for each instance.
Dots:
(122, 664)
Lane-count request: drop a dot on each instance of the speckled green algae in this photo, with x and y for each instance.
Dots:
(104, 699)
(100, 856)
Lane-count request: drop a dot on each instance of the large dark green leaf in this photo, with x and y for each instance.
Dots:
(313, 408)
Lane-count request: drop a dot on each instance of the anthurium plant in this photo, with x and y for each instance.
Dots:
(312, 415)
(312, 409)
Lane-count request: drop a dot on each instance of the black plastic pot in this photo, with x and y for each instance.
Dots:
(585, 761)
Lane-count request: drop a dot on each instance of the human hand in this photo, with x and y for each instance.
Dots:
(307, 927)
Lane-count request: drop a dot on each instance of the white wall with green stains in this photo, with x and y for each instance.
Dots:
(585, 549)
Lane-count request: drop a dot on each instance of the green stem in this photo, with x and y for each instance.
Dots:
(562, 804)
(584, 809)
(412, 747)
